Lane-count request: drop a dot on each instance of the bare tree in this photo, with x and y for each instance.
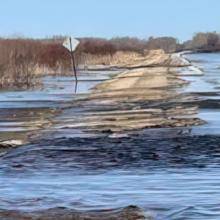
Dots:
(168, 44)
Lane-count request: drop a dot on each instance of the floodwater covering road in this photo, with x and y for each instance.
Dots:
(22, 113)
(170, 173)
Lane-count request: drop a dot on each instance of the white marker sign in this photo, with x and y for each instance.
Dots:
(71, 43)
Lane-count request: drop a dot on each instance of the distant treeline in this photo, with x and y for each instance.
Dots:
(203, 42)
(21, 59)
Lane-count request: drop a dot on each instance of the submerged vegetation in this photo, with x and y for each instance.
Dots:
(23, 60)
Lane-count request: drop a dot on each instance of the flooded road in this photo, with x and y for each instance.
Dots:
(170, 173)
(207, 88)
(22, 113)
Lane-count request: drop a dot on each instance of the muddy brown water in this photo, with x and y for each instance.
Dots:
(171, 173)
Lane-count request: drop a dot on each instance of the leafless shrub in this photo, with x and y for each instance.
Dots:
(96, 46)
(20, 58)
(168, 44)
(129, 44)
(54, 56)
(18, 62)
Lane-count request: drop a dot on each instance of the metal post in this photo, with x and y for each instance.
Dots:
(73, 64)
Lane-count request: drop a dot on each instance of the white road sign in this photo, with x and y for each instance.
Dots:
(71, 43)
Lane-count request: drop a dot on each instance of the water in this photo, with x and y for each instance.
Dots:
(31, 110)
(168, 174)
(208, 87)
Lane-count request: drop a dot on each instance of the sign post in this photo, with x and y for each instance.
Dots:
(71, 44)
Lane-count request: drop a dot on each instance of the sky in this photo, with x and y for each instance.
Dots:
(108, 18)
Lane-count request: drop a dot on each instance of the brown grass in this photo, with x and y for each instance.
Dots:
(20, 58)
(23, 60)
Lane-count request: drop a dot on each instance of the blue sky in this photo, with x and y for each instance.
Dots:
(108, 18)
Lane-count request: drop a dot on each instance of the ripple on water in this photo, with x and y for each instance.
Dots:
(88, 174)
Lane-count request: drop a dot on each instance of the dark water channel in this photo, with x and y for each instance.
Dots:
(168, 173)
